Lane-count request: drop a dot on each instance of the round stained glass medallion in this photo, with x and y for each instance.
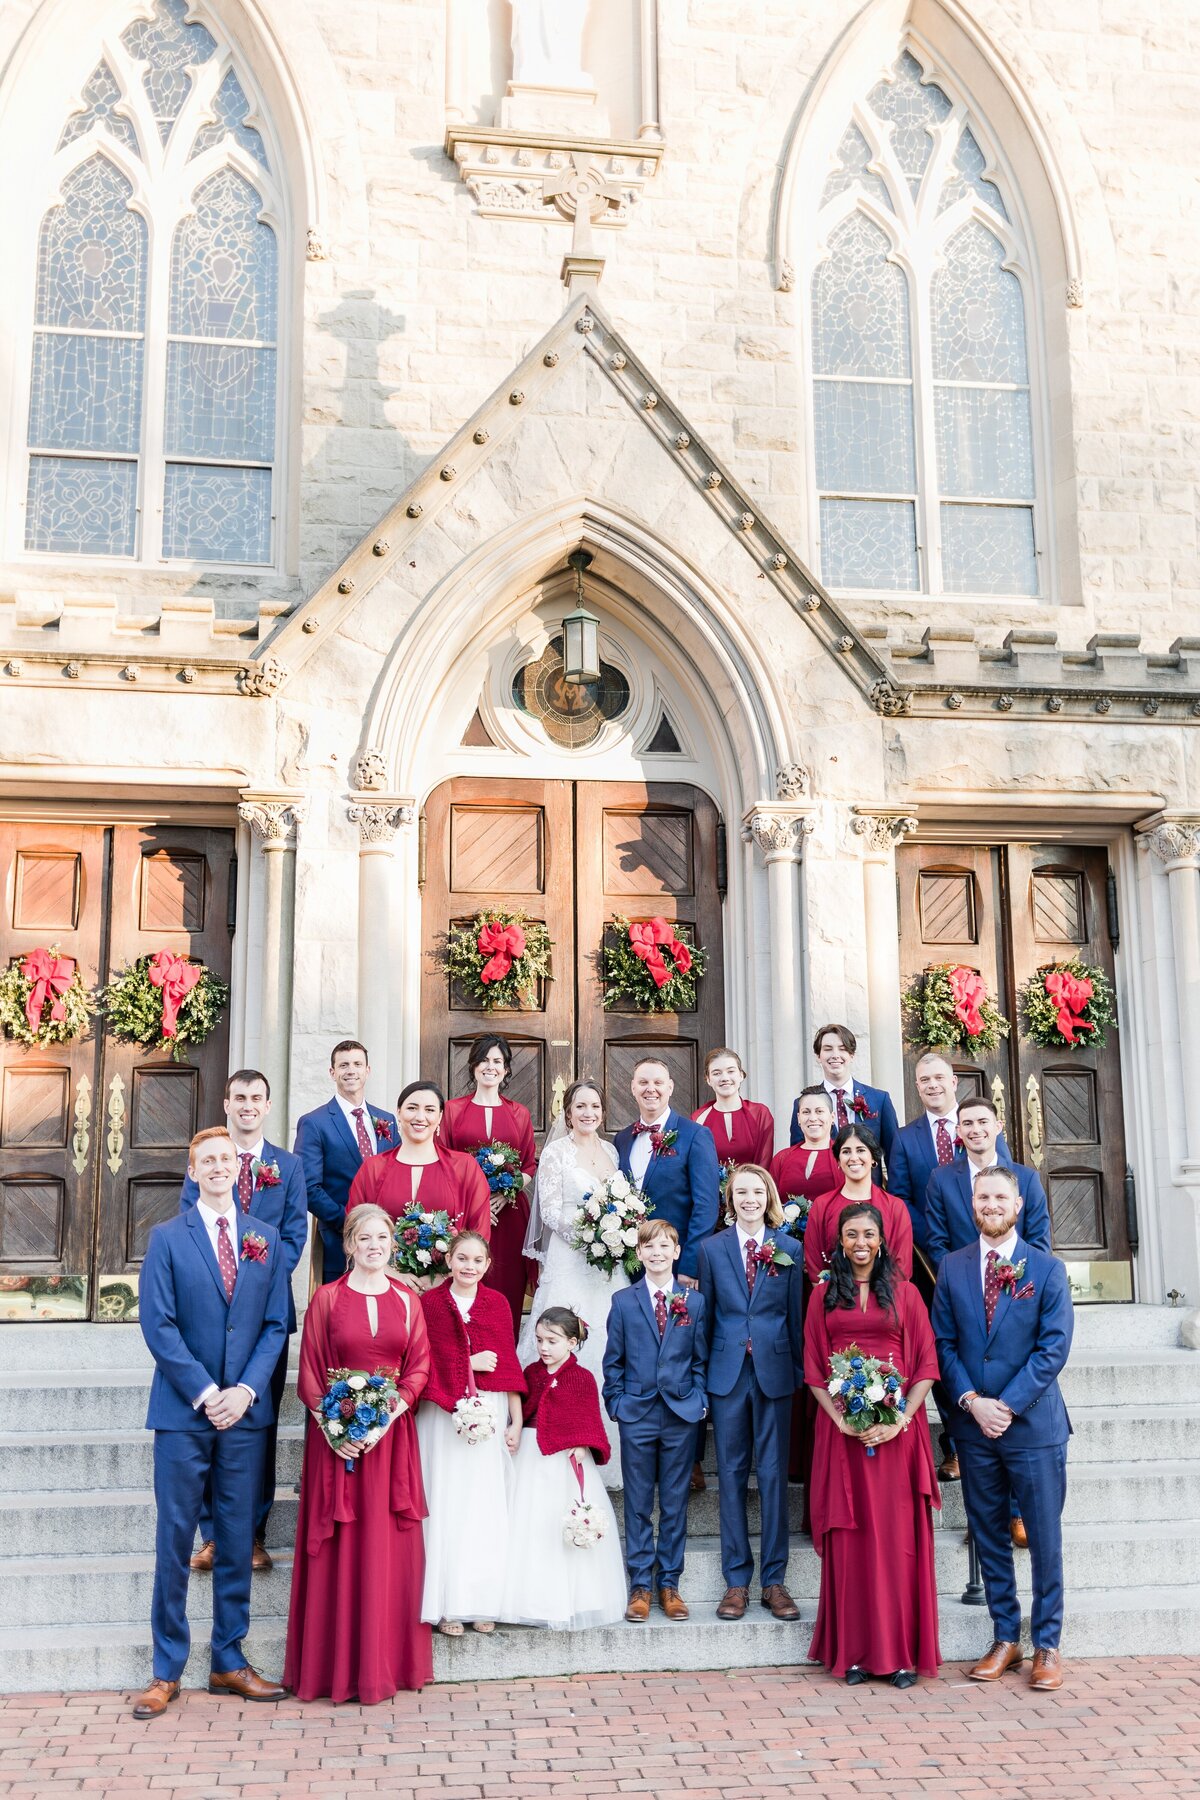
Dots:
(571, 713)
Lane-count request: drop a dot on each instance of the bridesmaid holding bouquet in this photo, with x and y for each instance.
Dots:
(472, 1122)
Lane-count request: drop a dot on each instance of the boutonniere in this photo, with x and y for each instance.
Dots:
(662, 1143)
(254, 1247)
(383, 1130)
(1008, 1274)
(266, 1174)
(768, 1255)
(678, 1310)
(860, 1109)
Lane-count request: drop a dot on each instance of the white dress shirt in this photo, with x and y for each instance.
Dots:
(352, 1122)
(1003, 1250)
(209, 1218)
(640, 1150)
(950, 1119)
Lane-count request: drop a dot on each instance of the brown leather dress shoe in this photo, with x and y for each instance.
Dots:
(698, 1482)
(949, 1469)
(1000, 1657)
(246, 1683)
(779, 1602)
(155, 1699)
(673, 1603)
(733, 1603)
(203, 1560)
(1018, 1534)
(261, 1558)
(638, 1610)
(1047, 1672)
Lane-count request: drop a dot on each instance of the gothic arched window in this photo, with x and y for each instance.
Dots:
(923, 433)
(153, 413)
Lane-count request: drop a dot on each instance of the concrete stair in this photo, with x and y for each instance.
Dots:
(77, 1529)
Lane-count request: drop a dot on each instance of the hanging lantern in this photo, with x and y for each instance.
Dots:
(580, 630)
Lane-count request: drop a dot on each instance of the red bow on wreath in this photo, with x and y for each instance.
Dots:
(1070, 993)
(501, 944)
(51, 977)
(176, 978)
(968, 991)
(647, 942)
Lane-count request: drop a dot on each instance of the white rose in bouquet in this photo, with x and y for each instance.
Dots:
(629, 1236)
(357, 1381)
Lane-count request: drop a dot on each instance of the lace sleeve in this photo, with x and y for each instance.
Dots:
(550, 1186)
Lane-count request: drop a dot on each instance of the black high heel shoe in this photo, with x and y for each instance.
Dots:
(856, 1676)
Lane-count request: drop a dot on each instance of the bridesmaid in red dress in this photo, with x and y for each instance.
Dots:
(802, 1173)
(743, 1130)
(872, 1515)
(420, 1169)
(354, 1626)
(856, 1151)
(482, 1118)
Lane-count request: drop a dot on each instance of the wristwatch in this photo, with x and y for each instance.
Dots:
(966, 1400)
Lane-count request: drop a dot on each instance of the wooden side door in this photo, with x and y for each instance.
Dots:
(642, 851)
(1069, 1101)
(952, 910)
(172, 888)
(507, 844)
(54, 892)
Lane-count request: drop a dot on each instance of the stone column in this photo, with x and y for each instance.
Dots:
(378, 817)
(880, 832)
(779, 830)
(1176, 842)
(274, 820)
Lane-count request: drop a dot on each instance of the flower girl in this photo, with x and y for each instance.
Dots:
(468, 1429)
(565, 1567)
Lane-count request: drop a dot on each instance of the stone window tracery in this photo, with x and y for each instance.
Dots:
(922, 418)
(154, 393)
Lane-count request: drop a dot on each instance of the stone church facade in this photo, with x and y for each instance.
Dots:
(859, 350)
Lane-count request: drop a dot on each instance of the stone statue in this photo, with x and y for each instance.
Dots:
(547, 43)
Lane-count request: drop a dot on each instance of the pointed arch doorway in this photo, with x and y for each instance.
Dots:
(576, 854)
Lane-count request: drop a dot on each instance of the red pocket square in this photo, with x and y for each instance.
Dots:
(1025, 1293)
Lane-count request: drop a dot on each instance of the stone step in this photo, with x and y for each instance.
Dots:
(106, 1400)
(1108, 1328)
(120, 1520)
(1130, 1377)
(71, 1658)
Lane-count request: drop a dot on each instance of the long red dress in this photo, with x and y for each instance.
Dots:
(795, 1179)
(820, 1236)
(464, 1128)
(354, 1626)
(872, 1516)
(454, 1184)
(744, 1136)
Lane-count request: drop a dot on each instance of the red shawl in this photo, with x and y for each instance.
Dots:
(454, 1181)
(326, 1501)
(567, 1408)
(491, 1328)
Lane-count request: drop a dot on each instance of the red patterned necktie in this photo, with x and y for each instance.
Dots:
(839, 1100)
(751, 1264)
(660, 1311)
(245, 1181)
(991, 1286)
(225, 1257)
(365, 1146)
(944, 1142)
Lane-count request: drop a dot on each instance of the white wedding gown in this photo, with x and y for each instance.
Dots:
(567, 1279)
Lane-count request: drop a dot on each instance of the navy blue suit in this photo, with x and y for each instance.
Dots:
(1018, 1361)
(682, 1186)
(286, 1208)
(328, 1150)
(950, 1214)
(755, 1365)
(910, 1163)
(884, 1125)
(197, 1337)
(654, 1391)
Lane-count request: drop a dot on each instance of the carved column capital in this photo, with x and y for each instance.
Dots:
(379, 819)
(1175, 842)
(881, 832)
(274, 818)
(779, 832)
(793, 782)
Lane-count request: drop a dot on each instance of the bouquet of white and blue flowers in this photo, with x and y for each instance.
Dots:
(502, 1166)
(606, 1230)
(865, 1390)
(421, 1241)
(357, 1407)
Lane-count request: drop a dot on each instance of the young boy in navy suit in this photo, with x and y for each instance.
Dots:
(751, 1276)
(654, 1390)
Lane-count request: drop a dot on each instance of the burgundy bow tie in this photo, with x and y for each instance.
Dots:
(641, 1126)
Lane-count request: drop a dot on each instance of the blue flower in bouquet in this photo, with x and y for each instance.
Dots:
(376, 1381)
(331, 1406)
(365, 1415)
(357, 1433)
(856, 1404)
(856, 1362)
(340, 1390)
(859, 1381)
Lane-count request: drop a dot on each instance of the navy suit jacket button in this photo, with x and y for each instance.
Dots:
(229, 1328)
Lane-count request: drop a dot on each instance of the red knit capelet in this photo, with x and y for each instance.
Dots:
(490, 1328)
(567, 1409)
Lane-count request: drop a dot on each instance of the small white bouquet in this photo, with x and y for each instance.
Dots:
(607, 1227)
(473, 1419)
(583, 1525)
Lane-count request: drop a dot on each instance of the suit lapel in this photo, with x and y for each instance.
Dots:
(1004, 1301)
(647, 1308)
(342, 1124)
(204, 1249)
(974, 1274)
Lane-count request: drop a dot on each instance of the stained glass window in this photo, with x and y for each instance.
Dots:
(936, 489)
(197, 330)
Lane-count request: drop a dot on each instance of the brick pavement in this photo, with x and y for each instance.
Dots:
(1123, 1728)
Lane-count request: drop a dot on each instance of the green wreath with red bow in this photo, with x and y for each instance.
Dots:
(1069, 1006)
(44, 1000)
(646, 964)
(948, 1007)
(499, 959)
(164, 1002)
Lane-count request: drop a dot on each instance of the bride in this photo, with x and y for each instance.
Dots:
(574, 1160)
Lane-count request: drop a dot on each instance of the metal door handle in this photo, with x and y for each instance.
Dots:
(998, 1100)
(81, 1138)
(556, 1096)
(116, 1124)
(1036, 1125)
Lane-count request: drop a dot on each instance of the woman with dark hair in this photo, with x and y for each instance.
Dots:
(419, 1169)
(743, 1130)
(872, 1520)
(805, 1171)
(469, 1124)
(856, 1152)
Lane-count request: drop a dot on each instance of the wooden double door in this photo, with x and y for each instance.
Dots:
(94, 1134)
(576, 855)
(1008, 910)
